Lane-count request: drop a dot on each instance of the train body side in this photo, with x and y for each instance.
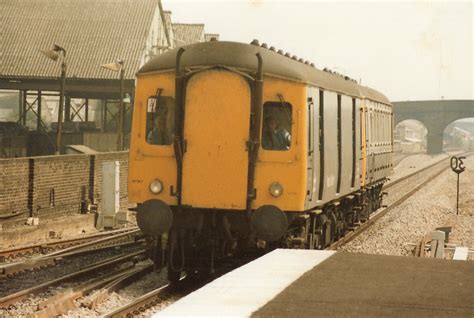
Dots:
(351, 148)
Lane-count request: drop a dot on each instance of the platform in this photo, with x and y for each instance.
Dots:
(301, 283)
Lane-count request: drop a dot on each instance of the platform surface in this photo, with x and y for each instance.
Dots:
(299, 283)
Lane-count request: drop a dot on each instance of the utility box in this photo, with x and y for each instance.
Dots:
(110, 199)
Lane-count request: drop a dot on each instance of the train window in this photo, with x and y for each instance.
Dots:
(276, 131)
(160, 120)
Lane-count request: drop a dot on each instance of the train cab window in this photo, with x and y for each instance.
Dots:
(276, 130)
(160, 120)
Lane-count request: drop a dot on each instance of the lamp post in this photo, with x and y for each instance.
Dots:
(118, 66)
(54, 55)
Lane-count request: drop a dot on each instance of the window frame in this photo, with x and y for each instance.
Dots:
(280, 104)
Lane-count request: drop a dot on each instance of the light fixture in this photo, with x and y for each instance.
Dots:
(54, 55)
(115, 66)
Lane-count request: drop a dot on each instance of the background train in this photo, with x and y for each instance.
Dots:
(237, 147)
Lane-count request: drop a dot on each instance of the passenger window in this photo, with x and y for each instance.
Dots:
(160, 120)
(276, 130)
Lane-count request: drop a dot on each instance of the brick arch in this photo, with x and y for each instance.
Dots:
(456, 119)
(435, 115)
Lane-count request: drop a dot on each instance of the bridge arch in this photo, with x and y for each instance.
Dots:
(458, 135)
(435, 115)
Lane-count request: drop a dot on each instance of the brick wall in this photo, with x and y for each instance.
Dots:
(61, 183)
(13, 186)
(49, 185)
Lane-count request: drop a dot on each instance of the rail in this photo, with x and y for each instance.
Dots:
(20, 295)
(376, 216)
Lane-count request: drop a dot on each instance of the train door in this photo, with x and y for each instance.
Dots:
(364, 139)
(310, 184)
(216, 129)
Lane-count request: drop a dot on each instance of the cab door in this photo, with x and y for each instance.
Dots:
(216, 129)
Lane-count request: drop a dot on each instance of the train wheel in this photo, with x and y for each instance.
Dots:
(327, 232)
(173, 276)
(334, 225)
(365, 211)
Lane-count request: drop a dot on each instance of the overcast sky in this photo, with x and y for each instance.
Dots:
(407, 50)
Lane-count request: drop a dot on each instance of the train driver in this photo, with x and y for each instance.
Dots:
(275, 137)
(160, 133)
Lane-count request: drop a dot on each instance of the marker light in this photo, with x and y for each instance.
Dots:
(276, 189)
(156, 186)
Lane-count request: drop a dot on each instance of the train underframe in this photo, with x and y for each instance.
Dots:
(202, 240)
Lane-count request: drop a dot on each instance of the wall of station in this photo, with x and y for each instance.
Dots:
(53, 185)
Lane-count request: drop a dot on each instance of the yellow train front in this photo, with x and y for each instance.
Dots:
(236, 147)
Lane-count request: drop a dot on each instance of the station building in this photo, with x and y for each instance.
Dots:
(90, 34)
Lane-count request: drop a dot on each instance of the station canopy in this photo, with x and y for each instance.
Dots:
(93, 32)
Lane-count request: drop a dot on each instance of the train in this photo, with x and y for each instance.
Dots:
(241, 148)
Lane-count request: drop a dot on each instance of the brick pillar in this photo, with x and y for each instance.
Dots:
(434, 142)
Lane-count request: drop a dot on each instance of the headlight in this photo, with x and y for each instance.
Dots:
(276, 189)
(156, 186)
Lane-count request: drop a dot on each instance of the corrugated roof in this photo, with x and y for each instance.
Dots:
(93, 32)
(188, 33)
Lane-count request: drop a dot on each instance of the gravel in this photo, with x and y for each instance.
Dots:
(412, 163)
(433, 206)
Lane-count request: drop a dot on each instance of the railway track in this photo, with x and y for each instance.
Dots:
(118, 240)
(160, 296)
(28, 281)
(48, 247)
(398, 187)
(56, 294)
(143, 303)
(96, 290)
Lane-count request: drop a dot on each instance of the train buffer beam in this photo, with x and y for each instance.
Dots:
(328, 284)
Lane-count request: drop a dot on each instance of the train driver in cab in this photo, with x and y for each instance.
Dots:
(274, 136)
(161, 131)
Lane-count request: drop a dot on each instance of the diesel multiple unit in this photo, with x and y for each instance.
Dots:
(236, 147)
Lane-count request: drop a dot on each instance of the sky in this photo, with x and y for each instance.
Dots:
(407, 50)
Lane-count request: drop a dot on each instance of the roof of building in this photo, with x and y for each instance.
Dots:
(461, 131)
(188, 33)
(209, 36)
(413, 140)
(93, 32)
(243, 57)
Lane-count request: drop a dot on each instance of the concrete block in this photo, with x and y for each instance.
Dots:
(461, 253)
(122, 217)
(110, 202)
(32, 221)
(437, 244)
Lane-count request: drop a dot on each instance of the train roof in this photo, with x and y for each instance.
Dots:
(242, 56)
